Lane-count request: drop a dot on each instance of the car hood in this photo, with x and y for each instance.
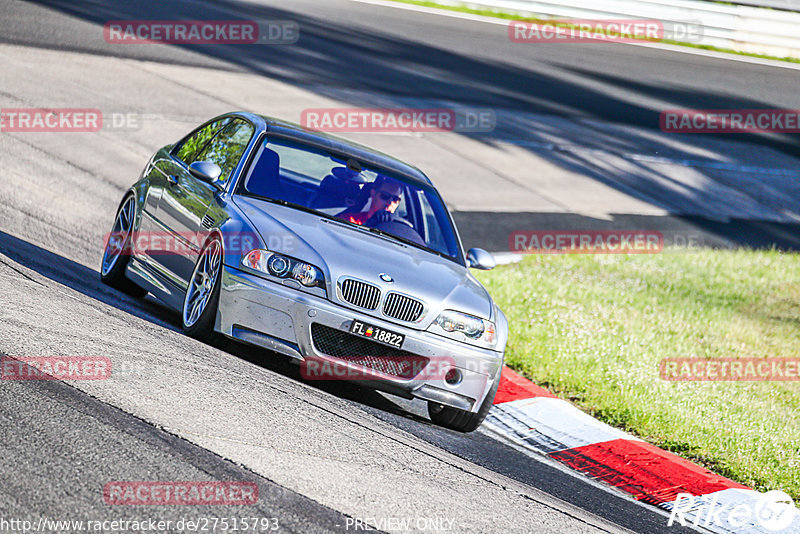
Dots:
(341, 250)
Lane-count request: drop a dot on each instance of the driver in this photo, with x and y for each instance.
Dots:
(384, 198)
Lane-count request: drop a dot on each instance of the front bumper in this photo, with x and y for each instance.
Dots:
(271, 315)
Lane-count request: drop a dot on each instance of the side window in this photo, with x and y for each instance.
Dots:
(227, 147)
(195, 142)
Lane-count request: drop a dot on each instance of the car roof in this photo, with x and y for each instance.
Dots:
(363, 154)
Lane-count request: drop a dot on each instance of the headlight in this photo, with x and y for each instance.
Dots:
(284, 267)
(279, 266)
(472, 327)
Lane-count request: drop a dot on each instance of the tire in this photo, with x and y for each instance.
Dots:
(201, 300)
(117, 253)
(462, 420)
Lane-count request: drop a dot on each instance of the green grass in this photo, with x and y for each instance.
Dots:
(514, 16)
(593, 328)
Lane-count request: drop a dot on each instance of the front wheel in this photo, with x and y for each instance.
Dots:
(117, 253)
(202, 296)
(462, 420)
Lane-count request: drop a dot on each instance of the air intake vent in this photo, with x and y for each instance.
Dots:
(208, 222)
(361, 294)
(402, 308)
(359, 351)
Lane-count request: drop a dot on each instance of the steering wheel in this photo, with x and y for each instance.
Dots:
(401, 228)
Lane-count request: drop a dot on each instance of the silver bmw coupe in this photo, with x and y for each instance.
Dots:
(314, 247)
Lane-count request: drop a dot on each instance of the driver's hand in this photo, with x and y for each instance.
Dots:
(380, 217)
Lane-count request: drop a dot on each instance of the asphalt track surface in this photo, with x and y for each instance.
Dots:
(320, 452)
(401, 53)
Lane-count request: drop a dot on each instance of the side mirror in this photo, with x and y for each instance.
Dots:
(206, 171)
(477, 258)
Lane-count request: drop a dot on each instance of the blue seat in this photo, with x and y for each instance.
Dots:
(265, 178)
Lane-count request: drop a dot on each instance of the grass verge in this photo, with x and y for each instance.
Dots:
(513, 16)
(593, 329)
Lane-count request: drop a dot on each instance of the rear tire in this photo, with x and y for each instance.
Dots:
(117, 253)
(462, 420)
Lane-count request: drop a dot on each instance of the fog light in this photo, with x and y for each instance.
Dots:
(453, 377)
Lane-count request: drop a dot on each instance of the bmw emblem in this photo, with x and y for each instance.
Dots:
(386, 278)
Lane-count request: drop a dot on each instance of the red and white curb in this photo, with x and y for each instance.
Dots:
(533, 418)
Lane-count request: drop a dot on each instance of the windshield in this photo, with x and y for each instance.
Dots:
(332, 186)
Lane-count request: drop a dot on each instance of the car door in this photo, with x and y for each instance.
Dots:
(186, 198)
(167, 175)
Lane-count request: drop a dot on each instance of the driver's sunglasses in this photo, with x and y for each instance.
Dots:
(388, 197)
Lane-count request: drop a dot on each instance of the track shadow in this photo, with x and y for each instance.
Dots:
(331, 54)
(87, 282)
(376, 65)
(476, 447)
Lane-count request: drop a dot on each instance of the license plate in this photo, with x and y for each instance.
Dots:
(376, 333)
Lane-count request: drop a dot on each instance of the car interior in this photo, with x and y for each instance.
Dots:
(342, 190)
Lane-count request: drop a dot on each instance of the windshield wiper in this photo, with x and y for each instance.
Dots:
(295, 206)
(404, 240)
